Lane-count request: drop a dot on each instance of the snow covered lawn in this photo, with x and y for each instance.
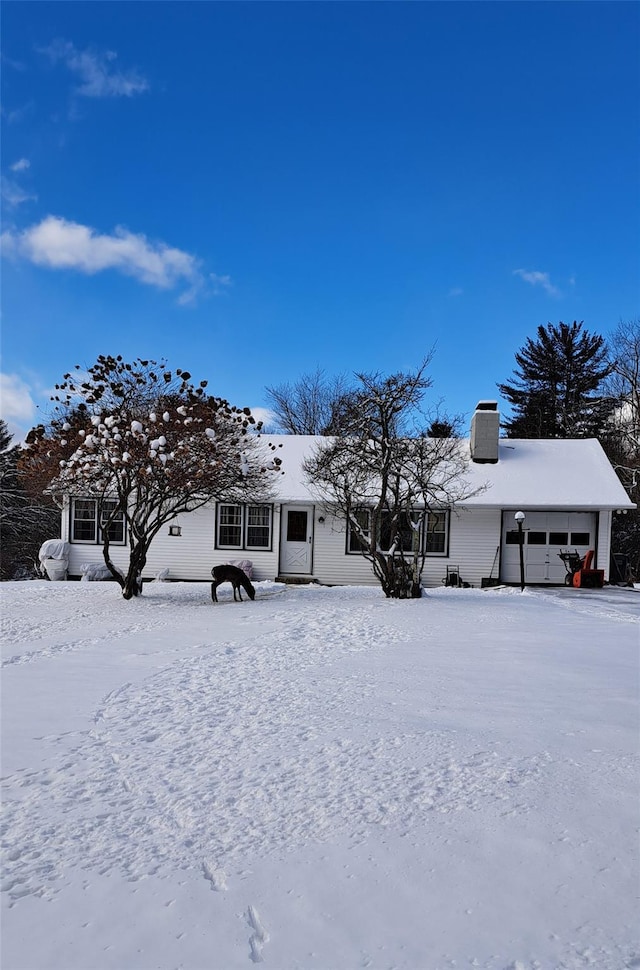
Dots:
(322, 778)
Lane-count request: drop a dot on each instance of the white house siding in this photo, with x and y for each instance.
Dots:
(603, 553)
(188, 556)
(331, 564)
(473, 540)
(474, 537)
(191, 555)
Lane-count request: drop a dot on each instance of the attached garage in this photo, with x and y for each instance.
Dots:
(546, 535)
(566, 487)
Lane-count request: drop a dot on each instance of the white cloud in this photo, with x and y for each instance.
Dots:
(16, 65)
(20, 165)
(59, 244)
(17, 114)
(17, 407)
(536, 278)
(13, 194)
(96, 71)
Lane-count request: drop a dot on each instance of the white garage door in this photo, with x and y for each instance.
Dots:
(545, 535)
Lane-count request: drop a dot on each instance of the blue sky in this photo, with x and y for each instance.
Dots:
(255, 190)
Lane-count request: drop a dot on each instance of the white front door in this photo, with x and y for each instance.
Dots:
(296, 540)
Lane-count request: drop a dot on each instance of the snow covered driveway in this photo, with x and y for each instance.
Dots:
(321, 778)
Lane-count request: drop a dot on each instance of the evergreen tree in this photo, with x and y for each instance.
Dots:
(554, 392)
(25, 521)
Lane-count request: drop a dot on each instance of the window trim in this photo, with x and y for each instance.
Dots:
(352, 536)
(119, 520)
(245, 527)
(219, 525)
(416, 536)
(248, 526)
(422, 543)
(73, 519)
(98, 536)
(430, 554)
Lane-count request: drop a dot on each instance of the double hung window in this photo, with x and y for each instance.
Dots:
(358, 536)
(112, 521)
(407, 539)
(399, 533)
(244, 526)
(90, 518)
(437, 534)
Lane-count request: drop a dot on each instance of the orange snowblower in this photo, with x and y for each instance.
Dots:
(580, 573)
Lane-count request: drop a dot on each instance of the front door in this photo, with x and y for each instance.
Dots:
(296, 540)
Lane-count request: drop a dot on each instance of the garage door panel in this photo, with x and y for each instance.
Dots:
(546, 534)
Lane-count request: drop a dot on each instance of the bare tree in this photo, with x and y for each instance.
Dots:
(621, 437)
(623, 383)
(314, 404)
(147, 445)
(384, 475)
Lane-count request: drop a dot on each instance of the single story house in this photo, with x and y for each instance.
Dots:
(567, 489)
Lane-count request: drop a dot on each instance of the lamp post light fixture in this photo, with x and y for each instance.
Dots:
(520, 517)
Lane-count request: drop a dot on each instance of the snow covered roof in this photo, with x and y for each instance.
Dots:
(534, 473)
(550, 472)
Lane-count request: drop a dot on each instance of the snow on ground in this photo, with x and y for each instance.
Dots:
(321, 778)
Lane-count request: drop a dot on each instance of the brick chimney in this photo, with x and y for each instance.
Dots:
(485, 430)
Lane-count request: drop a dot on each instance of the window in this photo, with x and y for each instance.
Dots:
(537, 538)
(230, 526)
(258, 526)
(409, 537)
(87, 526)
(512, 537)
(580, 538)
(84, 526)
(558, 538)
(244, 526)
(115, 520)
(436, 541)
(437, 531)
(363, 518)
(297, 525)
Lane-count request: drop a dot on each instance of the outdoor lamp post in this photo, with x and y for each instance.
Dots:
(520, 517)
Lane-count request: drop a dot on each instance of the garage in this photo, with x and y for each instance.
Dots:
(546, 534)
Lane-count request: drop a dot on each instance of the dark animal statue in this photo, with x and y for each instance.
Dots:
(231, 574)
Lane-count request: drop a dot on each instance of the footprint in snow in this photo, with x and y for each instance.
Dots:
(215, 876)
(259, 936)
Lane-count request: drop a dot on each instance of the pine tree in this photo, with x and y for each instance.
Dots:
(554, 392)
(25, 521)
